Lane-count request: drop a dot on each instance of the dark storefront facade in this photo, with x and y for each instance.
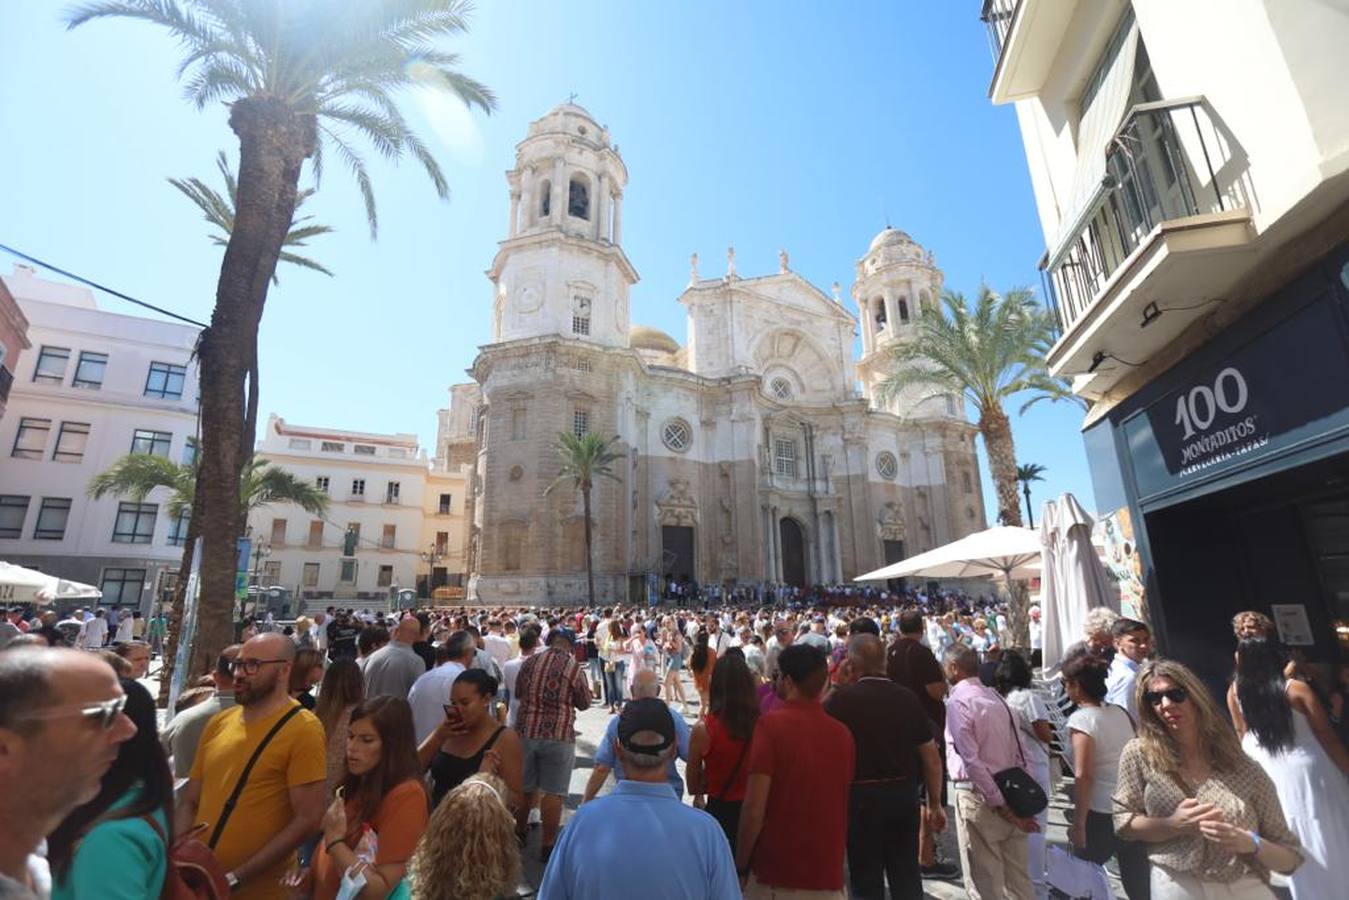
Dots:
(1232, 469)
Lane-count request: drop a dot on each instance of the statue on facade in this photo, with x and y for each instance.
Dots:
(693, 269)
(782, 262)
(730, 262)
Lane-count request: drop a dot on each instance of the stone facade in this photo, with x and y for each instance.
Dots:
(749, 453)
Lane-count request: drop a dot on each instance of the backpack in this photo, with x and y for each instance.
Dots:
(191, 871)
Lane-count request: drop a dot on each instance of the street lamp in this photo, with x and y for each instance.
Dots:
(431, 555)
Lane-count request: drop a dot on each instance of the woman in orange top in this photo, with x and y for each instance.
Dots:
(382, 794)
(701, 664)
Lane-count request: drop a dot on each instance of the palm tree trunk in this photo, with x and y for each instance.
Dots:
(997, 433)
(273, 144)
(174, 626)
(590, 562)
(1030, 516)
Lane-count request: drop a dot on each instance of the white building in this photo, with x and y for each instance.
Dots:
(95, 386)
(406, 516)
(1190, 162)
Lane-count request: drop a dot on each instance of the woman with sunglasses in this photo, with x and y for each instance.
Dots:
(1208, 814)
(470, 740)
(114, 845)
(1286, 730)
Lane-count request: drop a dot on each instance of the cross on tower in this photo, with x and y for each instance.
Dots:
(571, 98)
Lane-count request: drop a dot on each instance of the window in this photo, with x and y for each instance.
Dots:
(363, 449)
(784, 457)
(357, 488)
(190, 451)
(51, 365)
(311, 575)
(278, 531)
(546, 200)
(781, 388)
(444, 508)
(391, 491)
(887, 466)
(385, 578)
(156, 443)
(388, 539)
(950, 405)
(71, 441)
(13, 510)
(89, 370)
(518, 427)
(580, 422)
(315, 540)
(879, 304)
(580, 325)
(51, 519)
(903, 310)
(677, 435)
(31, 440)
(122, 586)
(333, 447)
(299, 444)
(966, 483)
(578, 198)
(582, 365)
(135, 523)
(178, 528)
(346, 571)
(580, 315)
(165, 381)
(321, 482)
(271, 572)
(442, 543)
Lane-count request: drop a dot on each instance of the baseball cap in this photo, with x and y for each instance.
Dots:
(647, 714)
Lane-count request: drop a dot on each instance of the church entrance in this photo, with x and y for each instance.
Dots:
(676, 542)
(894, 552)
(793, 543)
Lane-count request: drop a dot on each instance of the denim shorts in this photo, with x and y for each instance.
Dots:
(548, 765)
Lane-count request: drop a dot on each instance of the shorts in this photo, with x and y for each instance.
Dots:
(673, 663)
(548, 766)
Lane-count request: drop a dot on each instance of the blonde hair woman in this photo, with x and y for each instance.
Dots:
(468, 851)
(1207, 812)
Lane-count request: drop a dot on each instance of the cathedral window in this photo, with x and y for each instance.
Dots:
(578, 198)
(903, 309)
(881, 318)
(546, 200)
(580, 422)
(781, 388)
(784, 457)
(580, 315)
(580, 324)
(677, 435)
(887, 466)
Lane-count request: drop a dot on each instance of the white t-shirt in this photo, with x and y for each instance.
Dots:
(1029, 707)
(1109, 729)
(124, 630)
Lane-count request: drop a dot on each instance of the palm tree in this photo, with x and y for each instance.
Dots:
(137, 474)
(584, 459)
(297, 76)
(219, 211)
(1026, 473)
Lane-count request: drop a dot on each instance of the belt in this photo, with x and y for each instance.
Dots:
(963, 784)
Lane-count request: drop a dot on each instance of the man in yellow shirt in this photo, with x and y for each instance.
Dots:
(282, 801)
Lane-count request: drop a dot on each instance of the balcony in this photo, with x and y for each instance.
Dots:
(1025, 37)
(1154, 245)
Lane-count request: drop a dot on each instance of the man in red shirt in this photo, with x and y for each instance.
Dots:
(794, 822)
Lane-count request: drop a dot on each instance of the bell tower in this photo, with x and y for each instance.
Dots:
(561, 270)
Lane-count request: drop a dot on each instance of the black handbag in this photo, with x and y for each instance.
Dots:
(1023, 794)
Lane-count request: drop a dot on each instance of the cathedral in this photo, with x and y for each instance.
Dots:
(758, 450)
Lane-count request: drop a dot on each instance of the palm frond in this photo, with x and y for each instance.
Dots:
(135, 475)
(303, 262)
(357, 167)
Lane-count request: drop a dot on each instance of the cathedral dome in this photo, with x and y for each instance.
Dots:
(644, 337)
(889, 237)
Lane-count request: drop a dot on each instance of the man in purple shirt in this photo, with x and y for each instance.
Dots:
(980, 740)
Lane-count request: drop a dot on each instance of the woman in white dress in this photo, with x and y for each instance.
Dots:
(1285, 729)
(1013, 680)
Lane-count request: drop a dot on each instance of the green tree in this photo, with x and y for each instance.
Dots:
(298, 77)
(219, 211)
(136, 475)
(584, 459)
(1026, 473)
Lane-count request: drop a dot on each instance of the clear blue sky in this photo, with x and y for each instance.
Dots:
(760, 124)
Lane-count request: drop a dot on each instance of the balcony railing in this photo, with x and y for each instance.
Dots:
(1167, 161)
(6, 380)
(998, 16)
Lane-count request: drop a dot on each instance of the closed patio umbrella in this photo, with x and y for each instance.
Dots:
(1073, 579)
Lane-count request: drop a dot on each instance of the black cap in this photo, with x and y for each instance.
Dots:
(565, 633)
(646, 714)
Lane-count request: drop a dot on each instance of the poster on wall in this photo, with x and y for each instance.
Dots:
(1295, 629)
(1115, 533)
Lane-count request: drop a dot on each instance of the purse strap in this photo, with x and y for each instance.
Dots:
(1015, 730)
(243, 776)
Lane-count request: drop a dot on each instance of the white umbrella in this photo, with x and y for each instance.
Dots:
(1002, 550)
(1074, 579)
(20, 585)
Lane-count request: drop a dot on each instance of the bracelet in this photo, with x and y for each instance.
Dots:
(1256, 838)
(331, 844)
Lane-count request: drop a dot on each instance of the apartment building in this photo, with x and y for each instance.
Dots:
(1190, 163)
(94, 386)
(394, 521)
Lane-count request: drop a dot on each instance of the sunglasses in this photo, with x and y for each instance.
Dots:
(1175, 695)
(105, 713)
(251, 666)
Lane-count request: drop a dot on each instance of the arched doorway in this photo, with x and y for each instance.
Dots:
(793, 543)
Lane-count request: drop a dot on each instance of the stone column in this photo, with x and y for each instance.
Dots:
(559, 201)
(868, 327)
(527, 201)
(618, 218)
(891, 313)
(601, 209)
(777, 545)
(515, 214)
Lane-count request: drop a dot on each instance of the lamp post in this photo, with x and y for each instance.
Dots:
(431, 555)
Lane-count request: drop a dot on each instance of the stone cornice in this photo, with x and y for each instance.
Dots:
(556, 236)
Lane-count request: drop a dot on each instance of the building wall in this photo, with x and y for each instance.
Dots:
(65, 316)
(13, 341)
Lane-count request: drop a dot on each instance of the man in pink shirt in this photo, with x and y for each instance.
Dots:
(980, 740)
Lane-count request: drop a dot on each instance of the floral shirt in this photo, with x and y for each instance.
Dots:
(550, 688)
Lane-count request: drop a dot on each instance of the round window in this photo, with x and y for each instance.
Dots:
(781, 388)
(886, 466)
(677, 435)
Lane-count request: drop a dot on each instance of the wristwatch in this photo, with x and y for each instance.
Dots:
(232, 881)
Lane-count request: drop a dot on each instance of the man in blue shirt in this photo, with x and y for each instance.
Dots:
(645, 683)
(593, 859)
(1133, 644)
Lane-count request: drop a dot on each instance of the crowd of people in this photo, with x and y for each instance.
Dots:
(824, 747)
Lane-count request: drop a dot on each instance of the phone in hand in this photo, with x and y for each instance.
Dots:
(454, 716)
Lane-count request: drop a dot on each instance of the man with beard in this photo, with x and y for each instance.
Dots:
(61, 723)
(282, 801)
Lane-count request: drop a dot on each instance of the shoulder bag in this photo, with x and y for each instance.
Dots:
(1023, 794)
(233, 799)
